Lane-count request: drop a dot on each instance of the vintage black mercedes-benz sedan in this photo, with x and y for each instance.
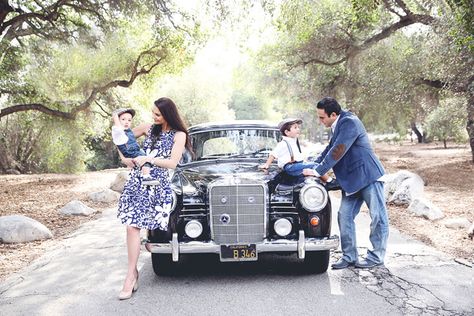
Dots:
(225, 205)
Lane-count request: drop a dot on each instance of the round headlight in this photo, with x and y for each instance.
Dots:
(193, 229)
(282, 227)
(313, 197)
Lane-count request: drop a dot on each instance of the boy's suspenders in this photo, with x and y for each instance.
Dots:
(292, 156)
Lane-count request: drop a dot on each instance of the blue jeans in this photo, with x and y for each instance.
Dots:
(373, 196)
(296, 169)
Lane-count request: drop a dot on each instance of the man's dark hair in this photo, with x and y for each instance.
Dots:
(329, 105)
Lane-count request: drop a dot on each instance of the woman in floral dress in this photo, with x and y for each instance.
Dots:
(149, 206)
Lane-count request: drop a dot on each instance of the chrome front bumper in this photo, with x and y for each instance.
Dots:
(281, 245)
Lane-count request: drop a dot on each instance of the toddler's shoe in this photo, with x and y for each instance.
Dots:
(146, 177)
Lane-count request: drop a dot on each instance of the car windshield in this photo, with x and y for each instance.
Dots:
(234, 143)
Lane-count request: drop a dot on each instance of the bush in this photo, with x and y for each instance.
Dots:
(447, 122)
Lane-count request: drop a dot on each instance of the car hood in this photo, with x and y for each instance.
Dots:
(202, 173)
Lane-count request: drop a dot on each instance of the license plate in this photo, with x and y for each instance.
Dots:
(239, 252)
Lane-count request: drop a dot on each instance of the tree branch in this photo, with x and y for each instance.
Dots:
(403, 22)
(34, 106)
(438, 84)
(322, 62)
(71, 115)
(353, 50)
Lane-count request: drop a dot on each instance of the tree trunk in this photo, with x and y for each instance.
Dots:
(470, 119)
(417, 132)
(444, 143)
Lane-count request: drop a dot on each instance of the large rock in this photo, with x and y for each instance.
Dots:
(119, 182)
(19, 228)
(402, 187)
(105, 196)
(76, 207)
(423, 207)
(457, 223)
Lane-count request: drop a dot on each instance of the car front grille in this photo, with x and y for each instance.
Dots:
(237, 212)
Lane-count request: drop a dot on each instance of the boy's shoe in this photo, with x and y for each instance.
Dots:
(332, 185)
(151, 182)
(146, 177)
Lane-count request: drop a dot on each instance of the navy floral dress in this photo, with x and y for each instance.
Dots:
(149, 206)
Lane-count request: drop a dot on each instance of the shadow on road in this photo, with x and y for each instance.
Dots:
(267, 264)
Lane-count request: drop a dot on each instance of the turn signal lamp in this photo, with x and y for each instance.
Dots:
(314, 221)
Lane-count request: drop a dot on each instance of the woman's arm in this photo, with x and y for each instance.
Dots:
(176, 154)
(141, 129)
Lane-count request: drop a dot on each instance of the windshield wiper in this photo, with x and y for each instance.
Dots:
(251, 154)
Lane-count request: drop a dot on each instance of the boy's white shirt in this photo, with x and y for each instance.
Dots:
(282, 154)
(118, 135)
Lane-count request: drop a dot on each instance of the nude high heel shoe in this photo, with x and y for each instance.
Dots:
(123, 295)
(135, 286)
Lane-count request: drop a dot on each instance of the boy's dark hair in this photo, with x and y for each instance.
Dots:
(329, 105)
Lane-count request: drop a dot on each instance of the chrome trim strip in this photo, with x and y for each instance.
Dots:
(175, 247)
(301, 244)
(279, 245)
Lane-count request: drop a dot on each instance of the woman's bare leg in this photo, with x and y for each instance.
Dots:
(133, 248)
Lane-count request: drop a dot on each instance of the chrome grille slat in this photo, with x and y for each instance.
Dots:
(244, 204)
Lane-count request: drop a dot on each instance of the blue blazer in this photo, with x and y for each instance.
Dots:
(350, 155)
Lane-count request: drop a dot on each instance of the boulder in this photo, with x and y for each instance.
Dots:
(19, 228)
(76, 207)
(423, 207)
(119, 182)
(402, 187)
(105, 196)
(457, 223)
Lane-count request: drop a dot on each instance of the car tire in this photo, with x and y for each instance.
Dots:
(163, 264)
(316, 261)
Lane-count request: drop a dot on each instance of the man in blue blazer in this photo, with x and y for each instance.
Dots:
(358, 171)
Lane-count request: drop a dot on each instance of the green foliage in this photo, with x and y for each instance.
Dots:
(87, 50)
(246, 107)
(201, 92)
(464, 17)
(316, 55)
(447, 122)
(103, 154)
(62, 148)
(74, 70)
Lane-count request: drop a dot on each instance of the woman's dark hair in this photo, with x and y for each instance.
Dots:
(329, 105)
(170, 113)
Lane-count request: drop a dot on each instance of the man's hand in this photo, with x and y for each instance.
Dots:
(264, 166)
(309, 172)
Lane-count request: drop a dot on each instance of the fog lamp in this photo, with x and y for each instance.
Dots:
(282, 227)
(193, 229)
